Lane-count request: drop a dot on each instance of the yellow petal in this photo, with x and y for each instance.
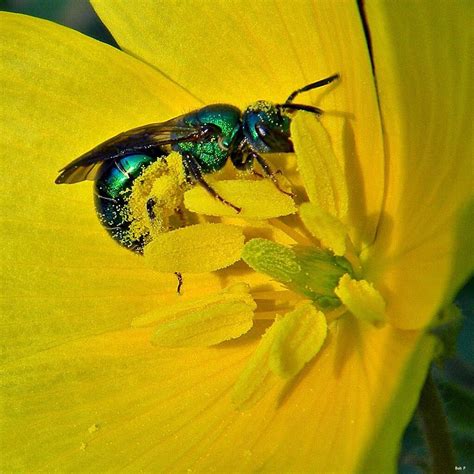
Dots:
(382, 451)
(197, 248)
(300, 335)
(324, 226)
(423, 53)
(244, 67)
(361, 299)
(171, 411)
(62, 94)
(257, 200)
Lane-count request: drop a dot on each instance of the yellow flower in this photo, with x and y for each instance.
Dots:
(85, 391)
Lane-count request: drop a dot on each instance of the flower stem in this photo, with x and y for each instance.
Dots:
(434, 425)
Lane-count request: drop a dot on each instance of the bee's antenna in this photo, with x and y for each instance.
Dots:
(313, 85)
(306, 108)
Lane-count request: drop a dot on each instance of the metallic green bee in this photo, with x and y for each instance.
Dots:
(205, 138)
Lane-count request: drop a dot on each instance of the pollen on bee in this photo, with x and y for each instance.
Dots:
(154, 198)
(261, 106)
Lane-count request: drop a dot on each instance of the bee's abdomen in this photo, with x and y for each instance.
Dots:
(112, 190)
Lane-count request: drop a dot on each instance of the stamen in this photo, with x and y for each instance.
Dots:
(264, 315)
(299, 338)
(196, 249)
(290, 232)
(335, 314)
(362, 300)
(285, 295)
(321, 171)
(204, 321)
(307, 270)
(286, 347)
(327, 228)
(353, 258)
(257, 200)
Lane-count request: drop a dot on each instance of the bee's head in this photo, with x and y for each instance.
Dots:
(267, 128)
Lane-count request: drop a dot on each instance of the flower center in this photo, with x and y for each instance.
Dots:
(309, 271)
(309, 255)
(334, 283)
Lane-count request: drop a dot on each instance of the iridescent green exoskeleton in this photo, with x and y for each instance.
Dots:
(205, 138)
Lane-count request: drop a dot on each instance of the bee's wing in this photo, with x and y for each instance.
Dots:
(147, 139)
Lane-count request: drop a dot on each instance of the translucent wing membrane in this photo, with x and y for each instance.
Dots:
(147, 139)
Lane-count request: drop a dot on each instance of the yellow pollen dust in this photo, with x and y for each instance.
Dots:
(155, 196)
(261, 105)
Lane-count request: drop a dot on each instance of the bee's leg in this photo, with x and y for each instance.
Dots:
(268, 172)
(243, 157)
(180, 282)
(182, 218)
(151, 214)
(192, 167)
(239, 155)
(256, 173)
(150, 204)
(260, 175)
